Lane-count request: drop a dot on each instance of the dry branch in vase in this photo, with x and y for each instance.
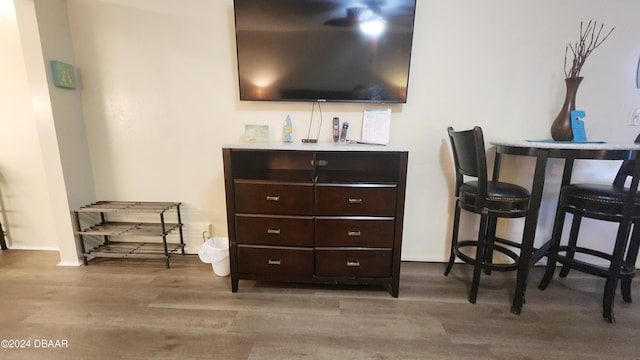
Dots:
(590, 39)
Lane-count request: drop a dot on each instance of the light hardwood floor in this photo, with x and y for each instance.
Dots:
(137, 309)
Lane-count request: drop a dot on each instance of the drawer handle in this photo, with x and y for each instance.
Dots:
(353, 263)
(275, 261)
(354, 233)
(355, 201)
(273, 231)
(273, 198)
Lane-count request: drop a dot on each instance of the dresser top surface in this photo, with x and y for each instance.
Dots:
(314, 147)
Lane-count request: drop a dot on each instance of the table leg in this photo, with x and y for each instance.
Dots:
(530, 225)
(566, 179)
(496, 167)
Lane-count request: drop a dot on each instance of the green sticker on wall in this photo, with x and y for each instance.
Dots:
(63, 75)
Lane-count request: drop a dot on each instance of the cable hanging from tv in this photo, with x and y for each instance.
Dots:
(308, 139)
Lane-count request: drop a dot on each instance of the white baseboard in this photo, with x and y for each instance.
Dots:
(40, 248)
(71, 263)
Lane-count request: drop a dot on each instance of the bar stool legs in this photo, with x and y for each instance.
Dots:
(632, 256)
(620, 268)
(454, 238)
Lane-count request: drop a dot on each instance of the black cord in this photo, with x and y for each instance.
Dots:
(313, 105)
(319, 127)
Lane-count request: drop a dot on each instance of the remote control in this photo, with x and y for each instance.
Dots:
(343, 134)
(336, 129)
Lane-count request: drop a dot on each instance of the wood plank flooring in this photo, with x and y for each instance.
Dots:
(137, 309)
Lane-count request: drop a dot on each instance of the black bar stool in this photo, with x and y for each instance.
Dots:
(613, 203)
(490, 199)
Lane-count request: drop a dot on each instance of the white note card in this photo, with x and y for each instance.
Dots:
(375, 126)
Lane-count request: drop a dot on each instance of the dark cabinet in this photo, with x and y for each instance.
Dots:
(315, 213)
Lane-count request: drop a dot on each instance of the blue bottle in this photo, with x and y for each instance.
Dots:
(287, 131)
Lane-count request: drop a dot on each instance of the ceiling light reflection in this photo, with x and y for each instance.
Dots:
(373, 27)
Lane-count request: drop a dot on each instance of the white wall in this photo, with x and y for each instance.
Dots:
(25, 201)
(160, 96)
(66, 151)
(66, 104)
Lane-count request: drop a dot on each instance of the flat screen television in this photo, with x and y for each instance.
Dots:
(324, 50)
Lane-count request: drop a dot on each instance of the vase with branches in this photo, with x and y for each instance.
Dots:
(591, 37)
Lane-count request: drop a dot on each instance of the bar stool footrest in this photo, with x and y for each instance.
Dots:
(496, 247)
(627, 270)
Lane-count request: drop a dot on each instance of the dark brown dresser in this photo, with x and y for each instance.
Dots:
(314, 213)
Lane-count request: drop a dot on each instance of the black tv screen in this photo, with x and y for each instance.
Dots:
(324, 50)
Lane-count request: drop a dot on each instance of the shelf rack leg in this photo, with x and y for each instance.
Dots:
(81, 242)
(3, 243)
(103, 221)
(180, 227)
(164, 240)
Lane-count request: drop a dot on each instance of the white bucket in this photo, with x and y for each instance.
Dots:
(221, 268)
(216, 252)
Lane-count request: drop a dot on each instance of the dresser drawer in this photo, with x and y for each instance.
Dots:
(294, 263)
(353, 262)
(355, 231)
(357, 199)
(273, 198)
(274, 230)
